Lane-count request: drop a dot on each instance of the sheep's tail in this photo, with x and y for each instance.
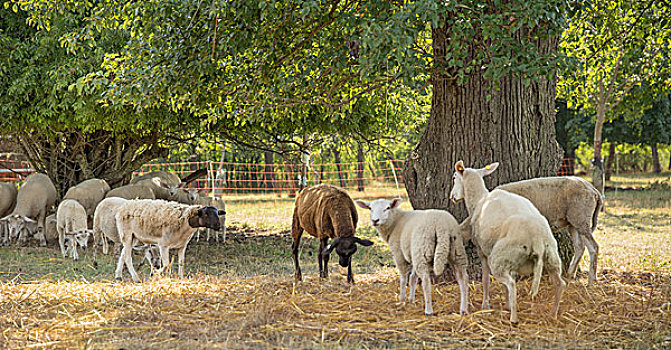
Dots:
(443, 248)
(595, 215)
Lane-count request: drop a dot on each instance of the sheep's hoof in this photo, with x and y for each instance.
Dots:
(95, 264)
(429, 313)
(298, 278)
(118, 278)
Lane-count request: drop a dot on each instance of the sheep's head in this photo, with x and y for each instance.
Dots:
(207, 217)
(381, 210)
(345, 247)
(17, 223)
(82, 237)
(192, 194)
(457, 192)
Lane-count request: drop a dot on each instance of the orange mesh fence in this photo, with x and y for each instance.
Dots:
(14, 170)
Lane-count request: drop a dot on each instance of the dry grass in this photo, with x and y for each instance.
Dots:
(241, 294)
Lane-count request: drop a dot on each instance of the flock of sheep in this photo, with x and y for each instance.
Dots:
(155, 210)
(511, 228)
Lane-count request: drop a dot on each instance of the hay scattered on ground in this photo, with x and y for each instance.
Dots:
(624, 310)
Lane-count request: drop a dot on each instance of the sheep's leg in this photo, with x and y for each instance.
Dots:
(41, 227)
(426, 286)
(509, 281)
(350, 275)
(180, 261)
(323, 259)
(593, 249)
(559, 286)
(579, 250)
(119, 265)
(164, 252)
(128, 259)
(403, 272)
(485, 282)
(413, 285)
(75, 255)
(296, 232)
(462, 278)
(61, 242)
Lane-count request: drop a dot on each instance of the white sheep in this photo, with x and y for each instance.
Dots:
(71, 226)
(326, 211)
(166, 224)
(566, 201)
(510, 234)
(34, 199)
(419, 239)
(88, 193)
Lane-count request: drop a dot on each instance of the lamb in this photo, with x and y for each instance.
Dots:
(131, 192)
(166, 224)
(510, 235)
(326, 211)
(417, 239)
(33, 200)
(566, 201)
(71, 224)
(88, 193)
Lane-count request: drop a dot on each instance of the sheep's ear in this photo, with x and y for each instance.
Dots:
(489, 169)
(395, 203)
(459, 167)
(362, 204)
(221, 212)
(363, 242)
(329, 248)
(161, 183)
(182, 184)
(185, 190)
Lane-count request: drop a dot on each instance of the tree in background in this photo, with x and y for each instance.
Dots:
(64, 133)
(617, 46)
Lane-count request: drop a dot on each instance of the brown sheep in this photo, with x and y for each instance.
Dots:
(326, 211)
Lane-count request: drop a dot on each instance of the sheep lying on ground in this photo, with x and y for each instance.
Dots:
(131, 192)
(166, 224)
(326, 211)
(566, 201)
(88, 193)
(510, 234)
(33, 200)
(166, 177)
(71, 225)
(419, 239)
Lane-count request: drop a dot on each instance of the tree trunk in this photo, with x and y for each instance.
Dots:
(336, 154)
(610, 161)
(269, 171)
(359, 168)
(514, 126)
(656, 167)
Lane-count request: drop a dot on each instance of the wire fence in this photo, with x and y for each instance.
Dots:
(239, 179)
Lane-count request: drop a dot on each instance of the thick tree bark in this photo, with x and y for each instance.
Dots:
(656, 166)
(514, 126)
(610, 161)
(359, 168)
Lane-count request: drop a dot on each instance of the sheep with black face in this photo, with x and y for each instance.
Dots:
(326, 211)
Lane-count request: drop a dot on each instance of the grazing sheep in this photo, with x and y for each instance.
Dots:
(166, 224)
(88, 193)
(33, 200)
(131, 192)
(326, 211)
(71, 224)
(50, 230)
(104, 224)
(510, 234)
(566, 201)
(419, 239)
(8, 194)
